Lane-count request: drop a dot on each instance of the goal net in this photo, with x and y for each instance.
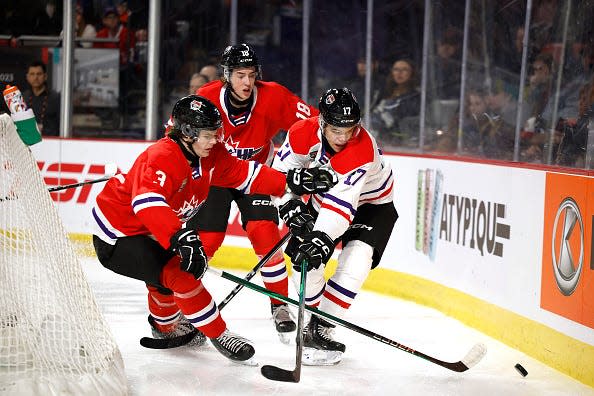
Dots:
(53, 338)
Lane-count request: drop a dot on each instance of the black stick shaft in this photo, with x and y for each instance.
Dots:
(255, 270)
(67, 186)
(300, 322)
(276, 373)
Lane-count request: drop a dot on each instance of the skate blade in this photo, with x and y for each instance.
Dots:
(197, 342)
(286, 338)
(251, 362)
(318, 357)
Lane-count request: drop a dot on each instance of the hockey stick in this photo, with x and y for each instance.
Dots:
(474, 355)
(175, 342)
(110, 171)
(276, 373)
(255, 270)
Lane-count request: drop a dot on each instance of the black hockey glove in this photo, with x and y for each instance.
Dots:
(296, 216)
(316, 247)
(310, 180)
(186, 243)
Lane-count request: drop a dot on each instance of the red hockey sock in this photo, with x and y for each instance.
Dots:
(263, 235)
(193, 299)
(163, 309)
(212, 241)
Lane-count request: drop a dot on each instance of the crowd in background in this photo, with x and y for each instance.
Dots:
(553, 111)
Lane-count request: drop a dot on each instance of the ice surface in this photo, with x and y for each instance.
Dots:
(368, 367)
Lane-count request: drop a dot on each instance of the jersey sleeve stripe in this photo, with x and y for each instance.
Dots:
(104, 225)
(147, 200)
(382, 195)
(340, 202)
(381, 187)
(336, 210)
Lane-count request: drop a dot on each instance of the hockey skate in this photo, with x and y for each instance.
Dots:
(176, 329)
(319, 348)
(283, 322)
(234, 347)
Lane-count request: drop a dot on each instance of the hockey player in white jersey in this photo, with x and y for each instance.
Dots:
(358, 210)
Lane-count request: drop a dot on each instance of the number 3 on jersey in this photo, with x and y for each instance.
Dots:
(303, 111)
(160, 177)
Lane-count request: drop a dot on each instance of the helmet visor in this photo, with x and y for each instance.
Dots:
(196, 133)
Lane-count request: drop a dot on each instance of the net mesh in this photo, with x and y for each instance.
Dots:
(53, 338)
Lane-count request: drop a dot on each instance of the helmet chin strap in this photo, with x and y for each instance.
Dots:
(238, 103)
(187, 150)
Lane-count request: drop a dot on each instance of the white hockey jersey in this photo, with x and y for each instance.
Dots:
(363, 175)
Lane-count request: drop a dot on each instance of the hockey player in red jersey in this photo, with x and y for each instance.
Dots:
(142, 230)
(358, 210)
(253, 112)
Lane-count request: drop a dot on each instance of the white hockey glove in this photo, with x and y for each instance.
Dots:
(186, 243)
(310, 180)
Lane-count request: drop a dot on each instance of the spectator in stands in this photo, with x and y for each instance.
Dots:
(474, 124)
(210, 71)
(196, 81)
(357, 83)
(509, 48)
(399, 101)
(497, 141)
(83, 29)
(49, 21)
(123, 12)
(44, 102)
(568, 103)
(114, 29)
(448, 65)
(561, 120)
(540, 85)
(572, 146)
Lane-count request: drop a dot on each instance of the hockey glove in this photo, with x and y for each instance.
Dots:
(310, 180)
(316, 247)
(186, 243)
(296, 216)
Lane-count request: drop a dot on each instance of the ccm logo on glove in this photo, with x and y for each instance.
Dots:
(186, 243)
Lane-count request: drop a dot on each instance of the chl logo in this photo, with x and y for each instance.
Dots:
(196, 105)
(567, 266)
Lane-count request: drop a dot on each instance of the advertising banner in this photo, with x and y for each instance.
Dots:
(567, 287)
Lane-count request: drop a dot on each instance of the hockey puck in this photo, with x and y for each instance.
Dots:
(521, 369)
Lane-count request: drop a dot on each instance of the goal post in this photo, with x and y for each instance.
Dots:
(53, 337)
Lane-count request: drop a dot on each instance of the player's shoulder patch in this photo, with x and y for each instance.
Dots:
(210, 89)
(279, 94)
(303, 135)
(360, 151)
(164, 151)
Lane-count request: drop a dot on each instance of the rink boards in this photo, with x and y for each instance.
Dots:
(504, 249)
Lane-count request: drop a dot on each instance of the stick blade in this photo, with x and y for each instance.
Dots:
(111, 169)
(278, 374)
(168, 343)
(475, 355)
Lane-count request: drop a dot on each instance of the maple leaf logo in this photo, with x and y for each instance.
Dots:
(188, 209)
(231, 145)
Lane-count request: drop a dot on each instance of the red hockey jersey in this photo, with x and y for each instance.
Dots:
(274, 108)
(162, 190)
